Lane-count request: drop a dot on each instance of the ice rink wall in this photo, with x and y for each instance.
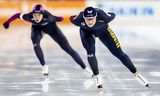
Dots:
(63, 8)
(137, 22)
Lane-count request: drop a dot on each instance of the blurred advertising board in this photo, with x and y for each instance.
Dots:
(137, 21)
(59, 8)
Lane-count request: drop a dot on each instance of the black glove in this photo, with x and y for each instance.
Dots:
(6, 25)
(71, 17)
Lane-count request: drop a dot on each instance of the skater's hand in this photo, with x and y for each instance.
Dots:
(72, 17)
(6, 25)
(111, 14)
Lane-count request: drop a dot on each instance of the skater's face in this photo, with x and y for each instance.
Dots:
(37, 17)
(90, 21)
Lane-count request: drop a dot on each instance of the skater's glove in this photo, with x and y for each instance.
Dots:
(6, 25)
(72, 17)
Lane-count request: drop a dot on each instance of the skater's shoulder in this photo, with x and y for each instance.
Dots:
(80, 14)
(100, 11)
(46, 12)
(97, 9)
(26, 16)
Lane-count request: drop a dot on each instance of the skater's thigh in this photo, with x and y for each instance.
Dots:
(36, 35)
(59, 38)
(88, 41)
(109, 39)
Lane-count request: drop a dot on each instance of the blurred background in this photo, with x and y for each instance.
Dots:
(137, 25)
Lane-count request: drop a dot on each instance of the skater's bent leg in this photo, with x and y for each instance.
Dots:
(88, 42)
(37, 48)
(39, 53)
(93, 63)
(109, 39)
(68, 49)
(64, 44)
(125, 60)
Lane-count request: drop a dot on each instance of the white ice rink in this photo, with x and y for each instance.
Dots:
(21, 71)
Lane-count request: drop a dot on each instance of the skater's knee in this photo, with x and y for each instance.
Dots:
(35, 40)
(64, 46)
(36, 44)
(90, 55)
(123, 55)
(68, 49)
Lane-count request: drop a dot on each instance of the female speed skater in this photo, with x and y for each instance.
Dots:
(43, 21)
(93, 23)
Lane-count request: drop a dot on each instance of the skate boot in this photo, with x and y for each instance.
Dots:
(98, 81)
(45, 71)
(88, 72)
(141, 80)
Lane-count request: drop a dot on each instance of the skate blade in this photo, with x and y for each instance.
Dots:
(148, 86)
(100, 88)
(46, 75)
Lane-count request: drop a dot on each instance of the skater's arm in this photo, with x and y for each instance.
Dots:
(71, 18)
(11, 19)
(14, 17)
(108, 17)
(26, 17)
(53, 18)
(76, 19)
